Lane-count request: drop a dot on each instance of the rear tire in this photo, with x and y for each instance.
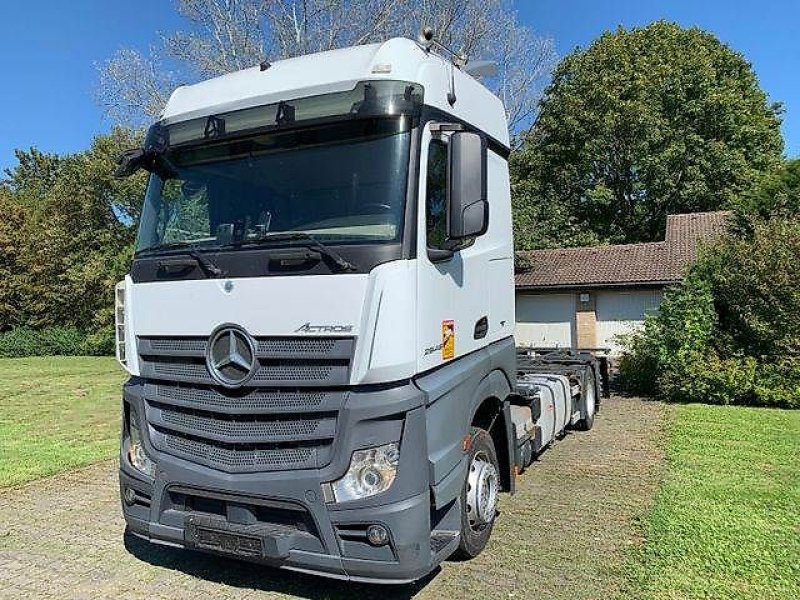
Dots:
(479, 496)
(588, 401)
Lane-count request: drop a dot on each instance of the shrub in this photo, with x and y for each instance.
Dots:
(50, 341)
(729, 333)
(778, 385)
(756, 287)
(705, 377)
(100, 343)
(682, 329)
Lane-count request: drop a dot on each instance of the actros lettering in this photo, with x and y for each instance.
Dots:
(309, 328)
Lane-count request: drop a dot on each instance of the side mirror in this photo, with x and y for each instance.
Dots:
(468, 207)
(152, 156)
(130, 162)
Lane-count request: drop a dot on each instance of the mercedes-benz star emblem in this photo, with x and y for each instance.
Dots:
(231, 356)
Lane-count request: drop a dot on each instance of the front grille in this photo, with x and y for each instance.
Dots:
(179, 370)
(282, 372)
(254, 401)
(285, 418)
(242, 459)
(178, 345)
(289, 372)
(253, 428)
(296, 346)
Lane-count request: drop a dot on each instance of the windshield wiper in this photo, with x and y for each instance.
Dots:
(307, 240)
(205, 264)
(208, 267)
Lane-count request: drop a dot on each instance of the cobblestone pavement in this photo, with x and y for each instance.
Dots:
(563, 535)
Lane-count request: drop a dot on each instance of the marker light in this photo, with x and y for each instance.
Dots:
(119, 322)
(371, 472)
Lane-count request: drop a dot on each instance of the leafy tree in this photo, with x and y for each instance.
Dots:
(66, 235)
(645, 122)
(729, 332)
(32, 177)
(756, 287)
(12, 216)
(220, 36)
(777, 195)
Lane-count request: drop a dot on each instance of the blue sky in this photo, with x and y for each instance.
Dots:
(49, 50)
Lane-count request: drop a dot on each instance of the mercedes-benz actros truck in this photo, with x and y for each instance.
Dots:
(318, 320)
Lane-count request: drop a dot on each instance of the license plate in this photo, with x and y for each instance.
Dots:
(227, 542)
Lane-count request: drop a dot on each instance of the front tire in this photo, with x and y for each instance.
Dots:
(479, 496)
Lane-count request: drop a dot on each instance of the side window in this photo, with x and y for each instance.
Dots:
(436, 195)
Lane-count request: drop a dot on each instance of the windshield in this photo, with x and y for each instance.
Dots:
(342, 183)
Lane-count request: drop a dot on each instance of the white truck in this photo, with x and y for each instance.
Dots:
(318, 321)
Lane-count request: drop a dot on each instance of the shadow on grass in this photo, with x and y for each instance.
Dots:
(245, 575)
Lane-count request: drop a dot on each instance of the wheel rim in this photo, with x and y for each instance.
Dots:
(482, 487)
(590, 397)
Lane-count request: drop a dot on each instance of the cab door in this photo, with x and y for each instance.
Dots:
(453, 286)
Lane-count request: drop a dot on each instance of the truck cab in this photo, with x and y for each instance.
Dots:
(318, 319)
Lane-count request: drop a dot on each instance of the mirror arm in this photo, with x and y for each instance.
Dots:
(154, 162)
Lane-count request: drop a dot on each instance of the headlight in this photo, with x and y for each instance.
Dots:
(371, 472)
(136, 453)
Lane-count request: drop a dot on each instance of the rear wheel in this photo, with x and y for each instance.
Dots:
(588, 401)
(479, 496)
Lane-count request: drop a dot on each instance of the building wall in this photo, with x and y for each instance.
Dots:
(545, 320)
(586, 319)
(621, 312)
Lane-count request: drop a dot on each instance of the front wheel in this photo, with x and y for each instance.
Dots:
(479, 496)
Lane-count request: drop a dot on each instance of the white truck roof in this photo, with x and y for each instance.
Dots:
(338, 71)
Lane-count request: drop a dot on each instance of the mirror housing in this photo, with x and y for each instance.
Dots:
(130, 162)
(468, 207)
(151, 156)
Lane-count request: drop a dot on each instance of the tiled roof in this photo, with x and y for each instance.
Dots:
(627, 264)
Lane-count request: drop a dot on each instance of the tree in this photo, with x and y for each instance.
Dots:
(644, 123)
(227, 35)
(776, 195)
(12, 216)
(66, 231)
(728, 332)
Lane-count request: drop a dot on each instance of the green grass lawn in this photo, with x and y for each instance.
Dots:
(726, 523)
(56, 413)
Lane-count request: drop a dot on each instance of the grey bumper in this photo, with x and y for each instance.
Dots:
(280, 518)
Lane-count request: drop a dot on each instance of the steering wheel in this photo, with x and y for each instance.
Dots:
(380, 206)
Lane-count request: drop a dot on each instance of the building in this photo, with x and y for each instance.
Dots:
(586, 297)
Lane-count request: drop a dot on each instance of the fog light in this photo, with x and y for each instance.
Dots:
(130, 496)
(377, 535)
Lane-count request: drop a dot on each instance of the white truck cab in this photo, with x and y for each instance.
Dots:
(318, 319)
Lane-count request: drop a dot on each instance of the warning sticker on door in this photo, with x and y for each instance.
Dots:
(448, 339)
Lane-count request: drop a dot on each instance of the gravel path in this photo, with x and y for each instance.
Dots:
(563, 535)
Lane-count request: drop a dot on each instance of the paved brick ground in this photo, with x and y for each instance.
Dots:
(563, 535)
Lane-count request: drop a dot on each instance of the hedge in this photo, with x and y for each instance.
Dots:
(56, 341)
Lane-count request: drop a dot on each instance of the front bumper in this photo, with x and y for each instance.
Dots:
(281, 519)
